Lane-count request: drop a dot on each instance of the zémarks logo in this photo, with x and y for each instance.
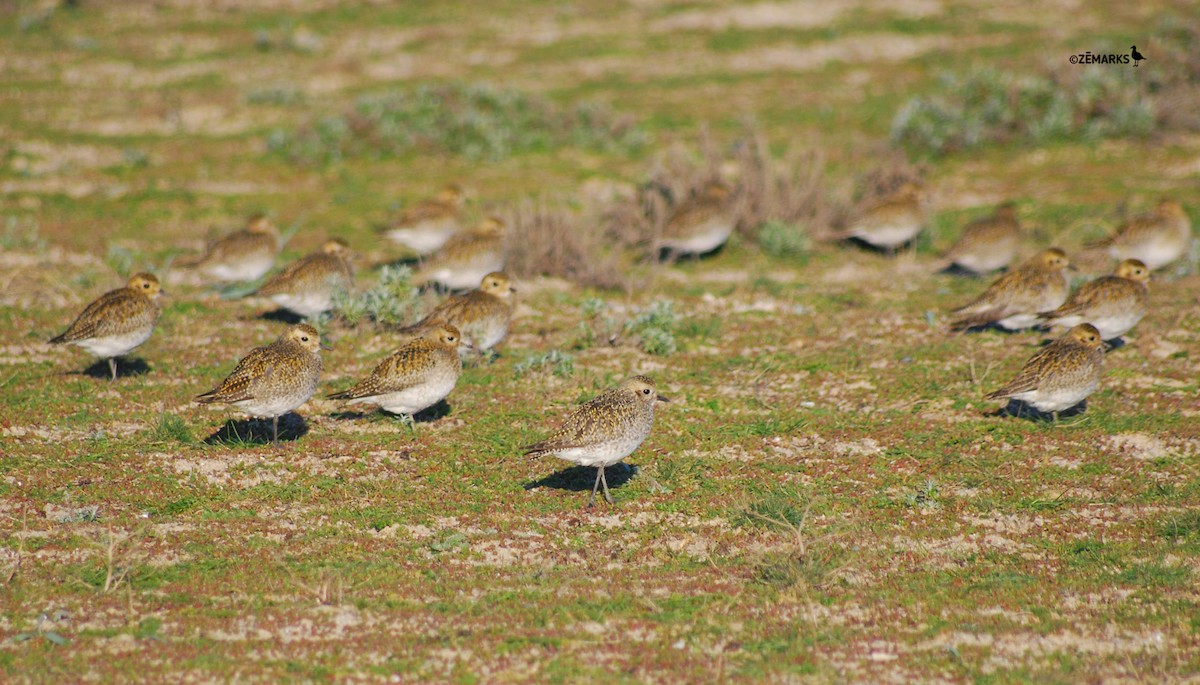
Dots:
(1109, 58)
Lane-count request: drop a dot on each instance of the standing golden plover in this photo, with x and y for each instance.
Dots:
(1061, 375)
(307, 285)
(890, 221)
(273, 379)
(426, 226)
(986, 244)
(417, 376)
(117, 321)
(1113, 304)
(482, 315)
(699, 224)
(605, 430)
(1014, 300)
(244, 255)
(1156, 239)
(466, 258)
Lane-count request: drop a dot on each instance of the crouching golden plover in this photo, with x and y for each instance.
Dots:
(307, 285)
(986, 244)
(890, 221)
(466, 258)
(1156, 238)
(244, 255)
(1113, 304)
(426, 226)
(605, 430)
(1061, 375)
(1014, 300)
(699, 224)
(482, 315)
(417, 376)
(117, 321)
(273, 379)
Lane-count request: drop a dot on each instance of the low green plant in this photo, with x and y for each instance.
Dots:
(559, 363)
(781, 239)
(392, 301)
(654, 328)
(477, 121)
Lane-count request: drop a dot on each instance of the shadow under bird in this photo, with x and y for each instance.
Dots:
(274, 379)
(986, 244)
(244, 255)
(700, 224)
(413, 378)
(117, 321)
(1113, 304)
(307, 285)
(426, 226)
(466, 258)
(605, 430)
(1014, 300)
(482, 315)
(1061, 375)
(889, 222)
(1156, 238)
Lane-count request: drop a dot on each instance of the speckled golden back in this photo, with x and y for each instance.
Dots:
(436, 350)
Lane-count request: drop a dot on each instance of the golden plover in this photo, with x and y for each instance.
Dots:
(986, 244)
(605, 430)
(307, 285)
(244, 255)
(1156, 239)
(1113, 304)
(890, 221)
(426, 226)
(699, 224)
(1061, 375)
(1014, 300)
(482, 315)
(466, 258)
(117, 321)
(273, 379)
(417, 376)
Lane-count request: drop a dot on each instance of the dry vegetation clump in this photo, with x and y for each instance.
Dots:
(549, 238)
(777, 201)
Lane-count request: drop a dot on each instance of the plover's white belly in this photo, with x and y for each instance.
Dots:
(115, 345)
(270, 408)
(1155, 253)
(983, 261)
(1115, 325)
(889, 234)
(484, 336)
(414, 399)
(426, 236)
(704, 238)
(307, 304)
(604, 453)
(1017, 322)
(252, 267)
(468, 274)
(1057, 399)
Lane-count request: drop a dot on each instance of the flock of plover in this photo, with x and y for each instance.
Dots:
(275, 379)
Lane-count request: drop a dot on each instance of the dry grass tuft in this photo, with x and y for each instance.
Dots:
(792, 190)
(548, 238)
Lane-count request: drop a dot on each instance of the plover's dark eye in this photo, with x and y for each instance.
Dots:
(646, 391)
(304, 338)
